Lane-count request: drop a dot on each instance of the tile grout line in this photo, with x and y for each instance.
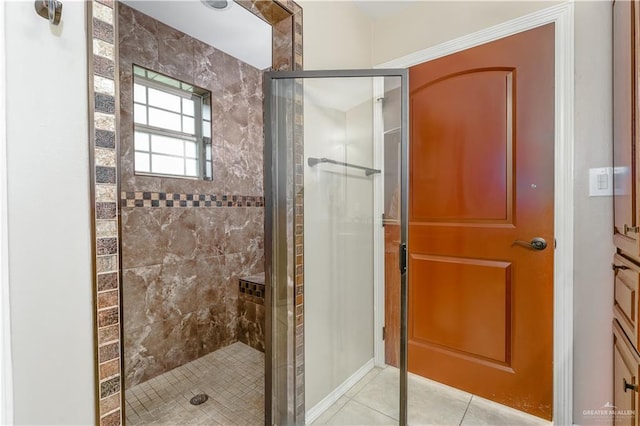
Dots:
(465, 411)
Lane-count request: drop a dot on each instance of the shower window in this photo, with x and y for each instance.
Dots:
(172, 123)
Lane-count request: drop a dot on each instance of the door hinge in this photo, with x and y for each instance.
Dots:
(383, 218)
(384, 333)
(403, 258)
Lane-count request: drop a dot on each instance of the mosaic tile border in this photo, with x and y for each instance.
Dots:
(102, 53)
(251, 290)
(171, 199)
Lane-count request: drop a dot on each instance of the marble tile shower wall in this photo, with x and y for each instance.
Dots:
(181, 264)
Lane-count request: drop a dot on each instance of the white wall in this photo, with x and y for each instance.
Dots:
(49, 216)
(337, 35)
(339, 245)
(593, 278)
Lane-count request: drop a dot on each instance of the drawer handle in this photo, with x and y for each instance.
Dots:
(618, 267)
(634, 229)
(629, 386)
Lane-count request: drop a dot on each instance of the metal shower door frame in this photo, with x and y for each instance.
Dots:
(275, 223)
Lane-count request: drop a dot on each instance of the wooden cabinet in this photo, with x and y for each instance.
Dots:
(626, 303)
(625, 122)
(626, 205)
(626, 364)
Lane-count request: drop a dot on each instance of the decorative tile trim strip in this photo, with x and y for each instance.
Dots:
(103, 89)
(252, 290)
(169, 199)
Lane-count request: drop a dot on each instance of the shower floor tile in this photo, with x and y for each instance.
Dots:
(232, 377)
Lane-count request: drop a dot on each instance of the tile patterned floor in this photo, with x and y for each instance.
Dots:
(373, 401)
(233, 377)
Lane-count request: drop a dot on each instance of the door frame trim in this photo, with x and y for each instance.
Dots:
(562, 16)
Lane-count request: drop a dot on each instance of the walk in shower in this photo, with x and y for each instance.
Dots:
(327, 134)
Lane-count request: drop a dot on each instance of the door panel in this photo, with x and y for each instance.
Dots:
(467, 167)
(462, 292)
(482, 161)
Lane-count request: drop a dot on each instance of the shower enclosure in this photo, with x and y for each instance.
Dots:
(335, 177)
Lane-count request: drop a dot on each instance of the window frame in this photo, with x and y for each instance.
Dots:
(200, 97)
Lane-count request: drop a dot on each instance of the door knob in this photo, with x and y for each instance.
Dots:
(536, 243)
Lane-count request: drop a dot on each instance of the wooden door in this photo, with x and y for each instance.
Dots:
(482, 178)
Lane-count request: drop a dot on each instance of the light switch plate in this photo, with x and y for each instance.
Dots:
(601, 181)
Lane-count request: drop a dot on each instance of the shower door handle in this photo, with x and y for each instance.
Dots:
(403, 257)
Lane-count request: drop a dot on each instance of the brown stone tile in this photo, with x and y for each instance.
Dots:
(137, 309)
(105, 138)
(105, 210)
(104, 103)
(105, 174)
(109, 387)
(113, 419)
(108, 299)
(137, 38)
(103, 66)
(175, 53)
(107, 281)
(171, 232)
(108, 352)
(108, 334)
(107, 246)
(108, 317)
(108, 3)
(102, 30)
(207, 68)
(106, 264)
(211, 236)
(140, 346)
(110, 403)
(110, 368)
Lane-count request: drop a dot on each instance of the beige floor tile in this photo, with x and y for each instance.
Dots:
(354, 413)
(485, 412)
(363, 382)
(432, 403)
(331, 411)
(382, 393)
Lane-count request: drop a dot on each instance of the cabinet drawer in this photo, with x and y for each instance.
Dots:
(625, 293)
(625, 378)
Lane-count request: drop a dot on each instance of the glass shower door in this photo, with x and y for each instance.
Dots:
(335, 246)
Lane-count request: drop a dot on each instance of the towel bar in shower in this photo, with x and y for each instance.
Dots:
(367, 170)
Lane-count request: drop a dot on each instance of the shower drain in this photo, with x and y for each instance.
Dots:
(200, 398)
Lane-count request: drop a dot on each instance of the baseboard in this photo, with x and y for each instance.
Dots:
(316, 411)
